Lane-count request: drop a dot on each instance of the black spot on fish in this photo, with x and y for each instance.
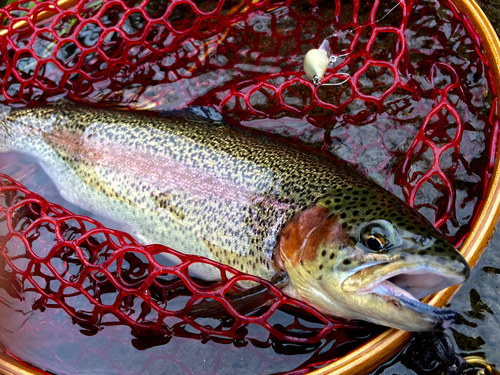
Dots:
(355, 212)
(320, 267)
(328, 202)
(422, 252)
(343, 215)
(323, 253)
(332, 255)
(346, 262)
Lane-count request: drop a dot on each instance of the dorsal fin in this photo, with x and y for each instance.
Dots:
(195, 113)
(64, 103)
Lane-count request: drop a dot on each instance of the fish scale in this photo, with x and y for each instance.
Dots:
(258, 205)
(252, 192)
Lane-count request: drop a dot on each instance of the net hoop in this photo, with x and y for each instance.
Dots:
(383, 347)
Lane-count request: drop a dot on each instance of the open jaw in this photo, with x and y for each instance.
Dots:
(392, 293)
(402, 288)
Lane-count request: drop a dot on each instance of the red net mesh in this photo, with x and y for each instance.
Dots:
(411, 106)
(103, 278)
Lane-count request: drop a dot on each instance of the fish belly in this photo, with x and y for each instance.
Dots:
(163, 184)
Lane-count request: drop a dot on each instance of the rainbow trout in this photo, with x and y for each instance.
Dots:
(350, 248)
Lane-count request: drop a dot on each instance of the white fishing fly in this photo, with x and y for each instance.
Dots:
(317, 60)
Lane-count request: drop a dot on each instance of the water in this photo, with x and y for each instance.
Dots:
(379, 141)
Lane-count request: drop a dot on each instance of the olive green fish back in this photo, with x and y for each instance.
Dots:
(199, 188)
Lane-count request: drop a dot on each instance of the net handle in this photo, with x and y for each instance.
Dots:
(9, 366)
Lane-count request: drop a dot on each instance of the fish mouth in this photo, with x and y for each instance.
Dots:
(392, 293)
(403, 286)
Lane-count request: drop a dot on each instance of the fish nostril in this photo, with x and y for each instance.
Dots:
(426, 241)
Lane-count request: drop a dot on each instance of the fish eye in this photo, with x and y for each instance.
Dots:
(375, 242)
(378, 235)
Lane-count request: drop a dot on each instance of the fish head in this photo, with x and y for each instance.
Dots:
(362, 253)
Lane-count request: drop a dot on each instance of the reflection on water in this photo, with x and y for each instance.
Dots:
(477, 330)
(375, 141)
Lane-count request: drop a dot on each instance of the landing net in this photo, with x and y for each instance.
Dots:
(408, 99)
